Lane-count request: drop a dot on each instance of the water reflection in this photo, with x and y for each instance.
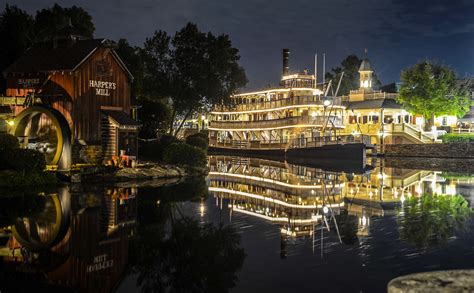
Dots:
(305, 201)
(431, 220)
(75, 241)
(88, 238)
(173, 252)
(249, 223)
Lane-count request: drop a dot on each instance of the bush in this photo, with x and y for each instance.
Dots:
(154, 149)
(10, 179)
(184, 154)
(25, 160)
(198, 140)
(8, 142)
(458, 137)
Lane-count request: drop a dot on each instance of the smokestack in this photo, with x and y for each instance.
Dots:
(286, 65)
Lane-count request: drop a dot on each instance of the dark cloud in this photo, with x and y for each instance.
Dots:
(397, 33)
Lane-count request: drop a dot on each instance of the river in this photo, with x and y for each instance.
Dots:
(252, 225)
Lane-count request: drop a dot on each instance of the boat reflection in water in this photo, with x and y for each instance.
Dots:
(306, 201)
(79, 241)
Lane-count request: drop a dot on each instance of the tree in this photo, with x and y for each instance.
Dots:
(431, 89)
(154, 117)
(195, 70)
(54, 21)
(132, 58)
(16, 31)
(350, 65)
(19, 30)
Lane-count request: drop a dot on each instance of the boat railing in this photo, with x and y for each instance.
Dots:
(292, 101)
(282, 122)
(330, 140)
(294, 143)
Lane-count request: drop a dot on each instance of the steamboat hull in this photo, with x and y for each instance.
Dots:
(337, 157)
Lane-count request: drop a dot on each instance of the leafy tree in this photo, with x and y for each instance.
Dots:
(431, 89)
(57, 20)
(195, 70)
(132, 58)
(16, 29)
(350, 65)
(20, 30)
(154, 116)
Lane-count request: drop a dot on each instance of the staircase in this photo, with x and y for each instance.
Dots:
(408, 131)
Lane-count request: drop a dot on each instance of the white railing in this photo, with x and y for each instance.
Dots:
(282, 123)
(463, 130)
(409, 130)
(293, 101)
(294, 143)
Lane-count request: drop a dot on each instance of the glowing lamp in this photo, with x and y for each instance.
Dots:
(326, 102)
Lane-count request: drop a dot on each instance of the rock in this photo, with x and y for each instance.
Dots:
(432, 282)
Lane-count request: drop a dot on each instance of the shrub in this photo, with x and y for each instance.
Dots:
(154, 149)
(8, 142)
(184, 154)
(25, 160)
(10, 179)
(198, 140)
(458, 137)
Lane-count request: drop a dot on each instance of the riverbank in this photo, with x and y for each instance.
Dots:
(143, 172)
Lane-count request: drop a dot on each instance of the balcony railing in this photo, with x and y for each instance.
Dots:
(330, 121)
(293, 101)
(372, 96)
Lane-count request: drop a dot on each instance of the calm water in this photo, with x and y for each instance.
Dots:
(252, 225)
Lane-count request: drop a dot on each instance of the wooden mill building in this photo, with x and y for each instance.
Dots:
(87, 82)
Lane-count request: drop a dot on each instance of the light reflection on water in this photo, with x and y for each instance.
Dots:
(286, 228)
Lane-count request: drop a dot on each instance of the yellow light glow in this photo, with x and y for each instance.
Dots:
(299, 186)
(273, 109)
(278, 127)
(278, 219)
(269, 199)
(274, 91)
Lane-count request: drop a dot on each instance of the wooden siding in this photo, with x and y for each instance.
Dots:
(71, 94)
(87, 104)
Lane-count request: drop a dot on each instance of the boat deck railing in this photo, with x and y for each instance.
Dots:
(278, 103)
(284, 144)
(330, 140)
(317, 121)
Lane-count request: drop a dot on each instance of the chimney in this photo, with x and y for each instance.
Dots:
(286, 65)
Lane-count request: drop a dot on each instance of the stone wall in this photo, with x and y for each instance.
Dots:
(435, 150)
(455, 165)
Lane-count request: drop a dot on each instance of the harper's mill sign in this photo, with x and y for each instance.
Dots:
(102, 88)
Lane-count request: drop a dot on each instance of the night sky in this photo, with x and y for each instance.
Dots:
(397, 33)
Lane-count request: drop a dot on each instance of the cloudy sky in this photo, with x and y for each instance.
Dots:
(397, 33)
